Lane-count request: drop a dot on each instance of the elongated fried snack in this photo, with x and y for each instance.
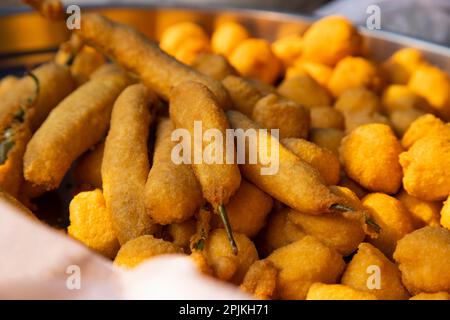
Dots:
(134, 51)
(322, 159)
(334, 230)
(141, 249)
(7, 83)
(213, 65)
(76, 124)
(89, 168)
(319, 72)
(247, 209)
(125, 163)
(23, 109)
(314, 262)
(423, 257)
(308, 194)
(243, 94)
(91, 223)
(191, 102)
(320, 291)
(370, 266)
(172, 193)
(86, 61)
(260, 279)
(225, 264)
(50, 9)
(275, 112)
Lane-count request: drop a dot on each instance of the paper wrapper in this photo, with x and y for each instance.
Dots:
(38, 262)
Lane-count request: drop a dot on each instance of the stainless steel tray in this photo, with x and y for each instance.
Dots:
(27, 39)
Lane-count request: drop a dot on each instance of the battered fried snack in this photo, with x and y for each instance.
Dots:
(352, 185)
(370, 266)
(243, 94)
(125, 165)
(260, 280)
(423, 257)
(422, 212)
(247, 210)
(354, 72)
(91, 223)
(309, 194)
(22, 110)
(185, 41)
(190, 102)
(305, 91)
(213, 65)
(319, 72)
(141, 249)
(49, 9)
(180, 234)
(327, 117)
(85, 62)
(288, 49)
(425, 168)
(356, 120)
(425, 125)
(75, 125)
(322, 159)
(434, 85)
(330, 39)
(431, 296)
(89, 168)
(399, 98)
(399, 67)
(401, 120)
(320, 291)
(227, 36)
(253, 58)
(445, 214)
(327, 138)
(358, 100)
(133, 51)
(393, 218)
(7, 83)
(335, 230)
(172, 193)
(370, 156)
(314, 262)
(275, 112)
(225, 263)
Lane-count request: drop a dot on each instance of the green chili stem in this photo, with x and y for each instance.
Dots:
(229, 231)
(367, 219)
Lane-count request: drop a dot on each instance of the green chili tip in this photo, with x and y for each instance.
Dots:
(341, 207)
(367, 219)
(200, 244)
(229, 231)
